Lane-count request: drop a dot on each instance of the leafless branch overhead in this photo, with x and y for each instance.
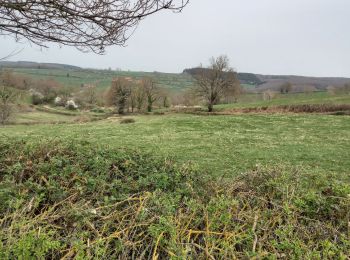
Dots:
(89, 25)
(10, 55)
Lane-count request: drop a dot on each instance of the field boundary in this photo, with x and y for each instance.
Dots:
(342, 109)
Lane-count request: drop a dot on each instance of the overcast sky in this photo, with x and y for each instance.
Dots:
(301, 37)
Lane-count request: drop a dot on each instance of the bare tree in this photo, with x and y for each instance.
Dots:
(269, 95)
(7, 97)
(151, 92)
(89, 25)
(346, 88)
(50, 88)
(286, 87)
(164, 98)
(140, 97)
(234, 93)
(119, 93)
(7, 78)
(133, 96)
(10, 79)
(166, 102)
(214, 82)
(90, 95)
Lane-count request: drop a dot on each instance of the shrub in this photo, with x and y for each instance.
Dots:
(158, 113)
(7, 99)
(49, 88)
(97, 110)
(341, 113)
(127, 121)
(316, 108)
(70, 105)
(59, 101)
(339, 109)
(37, 99)
(65, 200)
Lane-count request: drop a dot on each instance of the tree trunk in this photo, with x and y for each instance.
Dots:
(210, 107)
(149, 107)
(120, 110)
(121, 106)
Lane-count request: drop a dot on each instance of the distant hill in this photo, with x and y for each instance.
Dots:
(244, 78)
(273, 82)
(300, 82)
(75, 76)
(35, 65)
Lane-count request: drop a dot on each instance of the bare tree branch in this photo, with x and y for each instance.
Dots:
(13, 53)
(89, 25)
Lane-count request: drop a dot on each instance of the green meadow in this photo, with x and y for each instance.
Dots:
(176, 186)
(217, 144)
(256, 100)
(102, 78)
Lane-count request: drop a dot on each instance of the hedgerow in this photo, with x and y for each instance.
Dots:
(74, 200)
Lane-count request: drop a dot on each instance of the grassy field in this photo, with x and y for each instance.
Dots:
(176, 186)
(41, 117)
(218, 144)
(102, 78)
(52, 115)
(256, 100)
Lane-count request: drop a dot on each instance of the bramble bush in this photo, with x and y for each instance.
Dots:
(74, 200)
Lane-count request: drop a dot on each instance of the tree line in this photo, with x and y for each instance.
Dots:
(212, 84)
(127, 94)
(124, 94)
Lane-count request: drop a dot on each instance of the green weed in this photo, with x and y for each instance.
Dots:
(76, 200)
